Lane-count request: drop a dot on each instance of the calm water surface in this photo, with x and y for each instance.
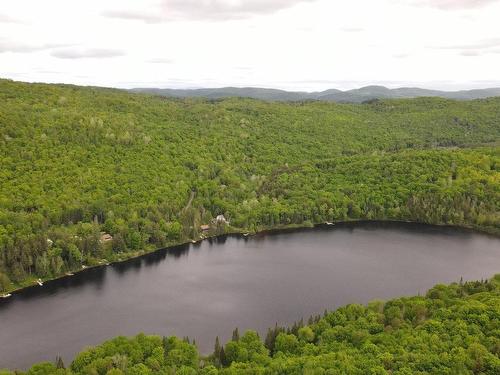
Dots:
(208, 289)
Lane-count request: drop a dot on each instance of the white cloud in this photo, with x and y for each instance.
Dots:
(215, 10)
(92, 53)
(454, 4)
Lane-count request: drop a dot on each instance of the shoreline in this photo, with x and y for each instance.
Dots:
(32, 283)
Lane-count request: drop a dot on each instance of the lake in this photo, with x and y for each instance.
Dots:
(207, 289)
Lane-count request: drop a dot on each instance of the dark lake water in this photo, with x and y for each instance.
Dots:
(208, 289)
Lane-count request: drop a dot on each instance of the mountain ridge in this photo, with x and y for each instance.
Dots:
(359, 95)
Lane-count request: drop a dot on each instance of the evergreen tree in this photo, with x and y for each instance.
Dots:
(222, 357)
(217, 348)
(236, 335)
(59, 363)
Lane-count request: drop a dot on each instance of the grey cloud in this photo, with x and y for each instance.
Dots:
(48, 71)
(401, 55)
(482, 44)
(18, 47)
(4, 18)
(160, 60)
(481, 47)
(7, 46)
(351, 29)
(205, 10)
(305, 28)
(92, 53)
(469, 52)
(454, 4)
(131, 15)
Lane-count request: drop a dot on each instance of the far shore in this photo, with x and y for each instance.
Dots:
(32, 282)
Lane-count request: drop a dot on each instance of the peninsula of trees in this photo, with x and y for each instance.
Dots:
(91, 175)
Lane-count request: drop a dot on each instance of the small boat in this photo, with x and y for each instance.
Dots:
(6, 295)
(246, 234)
(329, 223)
(193, 241)
(39, 282)
(69, 274)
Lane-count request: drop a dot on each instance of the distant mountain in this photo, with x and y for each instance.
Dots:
(225, 92)
(350, 96)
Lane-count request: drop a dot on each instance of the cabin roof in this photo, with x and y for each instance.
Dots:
(106, 237)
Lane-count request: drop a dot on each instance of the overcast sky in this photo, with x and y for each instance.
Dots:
(289, 44)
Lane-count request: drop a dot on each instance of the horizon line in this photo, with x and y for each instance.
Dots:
(131, 86)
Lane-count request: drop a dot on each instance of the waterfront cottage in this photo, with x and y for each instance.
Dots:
(220, 219)
(106, 237)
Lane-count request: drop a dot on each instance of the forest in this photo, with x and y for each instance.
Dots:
(453, 329)
(93, 175)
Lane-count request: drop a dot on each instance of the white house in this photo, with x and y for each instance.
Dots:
(220, 219)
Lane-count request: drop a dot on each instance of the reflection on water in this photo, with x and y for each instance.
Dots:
(206, 289)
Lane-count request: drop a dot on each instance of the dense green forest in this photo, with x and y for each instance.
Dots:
(453, 330)
(90, 175)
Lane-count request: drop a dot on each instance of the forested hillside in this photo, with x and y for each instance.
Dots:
(452, 330)
(88, 174)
